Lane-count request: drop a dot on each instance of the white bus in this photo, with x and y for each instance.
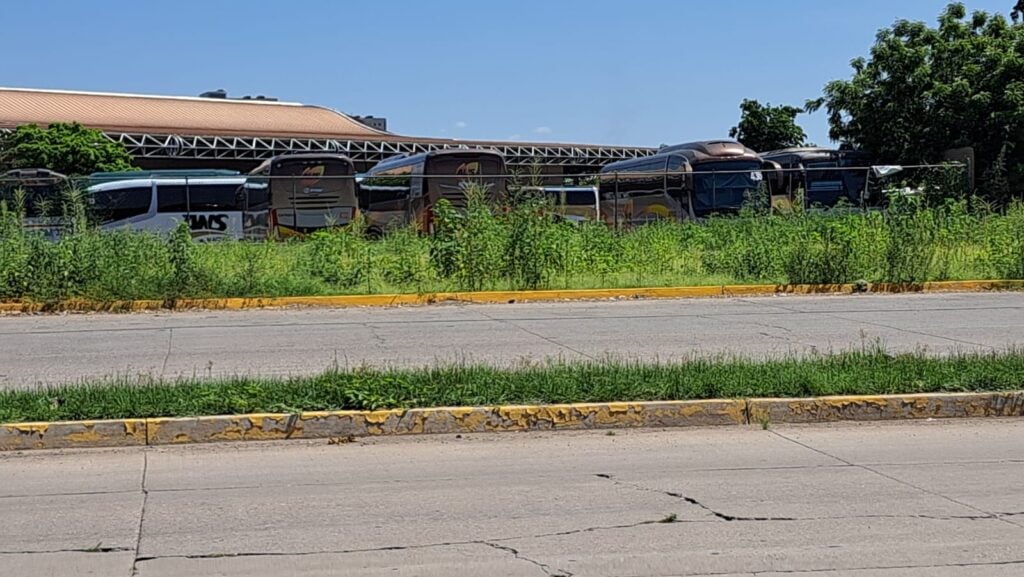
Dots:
(209, 205)
(571, 203)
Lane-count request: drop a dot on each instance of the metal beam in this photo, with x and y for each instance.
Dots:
(363, 151)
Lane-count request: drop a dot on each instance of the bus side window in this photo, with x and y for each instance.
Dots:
(256, 194)
(171, 198)
(212, 198)
(122, 203)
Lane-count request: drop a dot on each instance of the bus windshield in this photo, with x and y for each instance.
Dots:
(455, 172)
(308, 194)
(724, 185)
(293, 178)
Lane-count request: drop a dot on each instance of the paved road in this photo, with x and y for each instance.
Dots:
(922, 499)
(62, 348)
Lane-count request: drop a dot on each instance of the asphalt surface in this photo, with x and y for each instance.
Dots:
(914, 499)
(63, 348)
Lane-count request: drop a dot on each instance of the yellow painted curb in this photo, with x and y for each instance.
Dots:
(463, 420)
(323, 424)
(386, 300)
(73, 434)
(886, 407)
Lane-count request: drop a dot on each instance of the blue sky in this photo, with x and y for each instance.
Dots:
(640, 72)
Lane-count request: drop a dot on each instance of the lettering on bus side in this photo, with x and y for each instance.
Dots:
(213, 222)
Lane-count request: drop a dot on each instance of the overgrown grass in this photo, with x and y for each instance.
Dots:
(869, 371)
(523, 247)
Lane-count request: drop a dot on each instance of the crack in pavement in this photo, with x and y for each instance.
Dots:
(538, 335)
(493, 543)
(515, 553)
(72, 494)
(913, 332)
(381, 341)
(167, 356)
(733, 518)
(142, 513)
(838, 315)
(984, 514)
(692, 501)
(789, 337)
(97, 550)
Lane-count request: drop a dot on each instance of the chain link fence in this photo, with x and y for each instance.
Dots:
(221, 204)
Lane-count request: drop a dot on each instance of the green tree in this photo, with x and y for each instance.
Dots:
(925, 90)
(764, 127)
(70, 149)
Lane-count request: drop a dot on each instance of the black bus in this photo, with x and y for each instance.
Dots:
(685, 181)
(39, 191)
(298, 194)
(404, 189)
(38, 194)
(826, 176)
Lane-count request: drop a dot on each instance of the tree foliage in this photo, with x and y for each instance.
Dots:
(925, 90)
(70, 149)
(764, 127)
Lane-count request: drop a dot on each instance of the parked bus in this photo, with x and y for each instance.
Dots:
(404, 189)
(571, 203)
(826, 176)
(208, 205)
(298, 194)
(38, 194)
(105, 177)
(685, 181)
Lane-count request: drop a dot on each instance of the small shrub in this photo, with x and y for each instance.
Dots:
(186, 276)
(342, 257)
(911, 249)
(1005, 243)
(532, 244)
(406, 259)
(480, 244)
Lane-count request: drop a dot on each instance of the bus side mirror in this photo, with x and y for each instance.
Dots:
(687, 176)
(776, 176)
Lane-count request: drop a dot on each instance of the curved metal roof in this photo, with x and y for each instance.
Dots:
(177, 115)
(176, 127)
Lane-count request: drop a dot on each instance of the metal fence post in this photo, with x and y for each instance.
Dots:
(616, 203)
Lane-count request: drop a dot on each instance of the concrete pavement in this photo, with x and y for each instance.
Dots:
(933, 499)
(62, 348)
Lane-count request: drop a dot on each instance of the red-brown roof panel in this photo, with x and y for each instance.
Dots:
(195, 116)
(177, 115)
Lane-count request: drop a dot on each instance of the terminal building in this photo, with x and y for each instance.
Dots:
(215, 131)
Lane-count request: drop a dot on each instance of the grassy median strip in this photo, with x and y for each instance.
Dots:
(860, 372)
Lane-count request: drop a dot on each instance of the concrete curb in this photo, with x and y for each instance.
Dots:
(463, 420)
(885, 408)
(341, 301)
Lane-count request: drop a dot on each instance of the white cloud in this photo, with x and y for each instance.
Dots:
(542, 130)
(514, 137)
(460, 124)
